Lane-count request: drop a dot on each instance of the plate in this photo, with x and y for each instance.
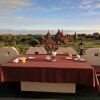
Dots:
(80, 59)
(68, 58)
(20, 58)
(47, 58)
(31, 57)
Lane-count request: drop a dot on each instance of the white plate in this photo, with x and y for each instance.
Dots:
(20, 58)
(79, 59)
(31, 57)
(47, 58)
(68, 58)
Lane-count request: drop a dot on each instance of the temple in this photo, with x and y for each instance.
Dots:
(49, 43)
(59, 39)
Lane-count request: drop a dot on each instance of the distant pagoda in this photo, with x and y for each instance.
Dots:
(60, 38)
(49, 43)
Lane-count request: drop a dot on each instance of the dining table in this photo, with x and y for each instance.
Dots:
(37, 68)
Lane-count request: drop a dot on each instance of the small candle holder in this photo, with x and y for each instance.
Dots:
(70, 55)
(24, 60)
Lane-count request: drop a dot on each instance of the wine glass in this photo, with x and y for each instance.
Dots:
(54, 55)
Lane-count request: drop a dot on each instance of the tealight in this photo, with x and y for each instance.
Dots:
(70, 55)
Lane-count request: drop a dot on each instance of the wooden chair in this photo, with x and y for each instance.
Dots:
(97, 72)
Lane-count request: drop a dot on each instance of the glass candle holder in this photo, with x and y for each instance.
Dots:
(23, 60)
(70, 55)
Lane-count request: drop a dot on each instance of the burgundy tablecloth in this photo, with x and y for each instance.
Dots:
(40, 70)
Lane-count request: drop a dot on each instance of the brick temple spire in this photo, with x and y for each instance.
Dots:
(58, 31)
(60, 38)
(48, 35)
(49, 42)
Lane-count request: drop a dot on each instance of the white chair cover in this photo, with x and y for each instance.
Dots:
(64, 50)
(7, 54)
(33, 50)
(92, 55)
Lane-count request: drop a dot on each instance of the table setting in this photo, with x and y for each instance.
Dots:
(74, 57)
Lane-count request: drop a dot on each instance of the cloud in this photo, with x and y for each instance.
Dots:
(8, 7)
(86, 4)
(14, 4)
(89, 4)
(91, 13)
(46, 9)
(90, 8)
(97, 5)
(56, 5)
(27, 4)
(4, 14)
(27, 22)
(17, 6)
(18, 20)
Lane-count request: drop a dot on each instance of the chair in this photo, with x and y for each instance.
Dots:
(92, 55)
(36, 50)
(64, 50)
(8, 54)
(97, 70)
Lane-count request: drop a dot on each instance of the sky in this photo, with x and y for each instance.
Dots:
(50, 14)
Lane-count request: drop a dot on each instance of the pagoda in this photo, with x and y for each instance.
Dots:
(60, 38)
(49, 42)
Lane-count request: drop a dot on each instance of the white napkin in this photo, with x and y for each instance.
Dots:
(15, 60)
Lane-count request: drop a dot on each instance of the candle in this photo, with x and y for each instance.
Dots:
(70, 55)
(23, 60)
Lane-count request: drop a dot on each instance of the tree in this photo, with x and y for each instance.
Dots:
(83, 35)
(40, 38)
(19, 38)
(96, 35)
(33, 42)
(23, 40)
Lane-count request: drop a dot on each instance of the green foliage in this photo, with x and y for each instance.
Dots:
(33, 42)
(23, 42)
(96, 35)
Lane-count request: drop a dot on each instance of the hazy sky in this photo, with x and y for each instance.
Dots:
(50, 14)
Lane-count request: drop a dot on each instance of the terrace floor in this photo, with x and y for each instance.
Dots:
(82, 93)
